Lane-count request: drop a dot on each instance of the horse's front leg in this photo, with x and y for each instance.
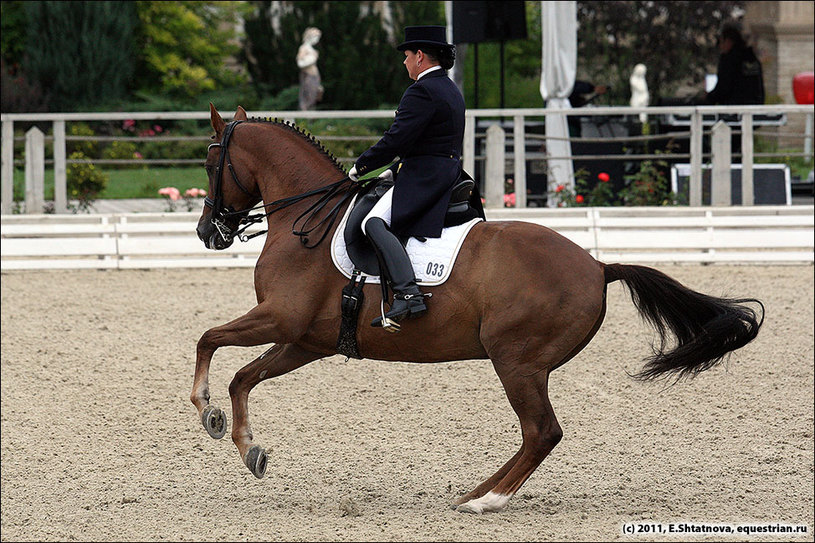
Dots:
(253, 328)
(276, 361)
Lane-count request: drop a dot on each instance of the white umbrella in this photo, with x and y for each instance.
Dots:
(558, 71)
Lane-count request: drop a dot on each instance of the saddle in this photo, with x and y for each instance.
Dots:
(361, 251)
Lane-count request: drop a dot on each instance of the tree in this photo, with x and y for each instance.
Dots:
(359, 65)
(183, 46)
(81, 52)
(675, 40)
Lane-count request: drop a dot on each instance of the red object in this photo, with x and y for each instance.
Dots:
(579, 198)
(802, 87)
(603, 176)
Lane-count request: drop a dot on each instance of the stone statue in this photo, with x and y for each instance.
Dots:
(311, 91)
(639, 90)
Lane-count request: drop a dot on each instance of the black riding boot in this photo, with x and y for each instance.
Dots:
(408, 300)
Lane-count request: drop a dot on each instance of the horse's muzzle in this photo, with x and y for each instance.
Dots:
(212, 237)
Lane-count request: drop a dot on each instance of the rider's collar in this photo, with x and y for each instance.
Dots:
(424, 73)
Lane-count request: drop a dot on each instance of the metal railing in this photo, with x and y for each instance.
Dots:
(694, 117)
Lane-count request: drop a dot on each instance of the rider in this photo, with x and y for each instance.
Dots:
(427, 135)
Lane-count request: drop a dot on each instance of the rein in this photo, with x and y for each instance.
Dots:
(220, 213)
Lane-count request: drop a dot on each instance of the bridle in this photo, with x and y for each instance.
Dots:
(220, 213)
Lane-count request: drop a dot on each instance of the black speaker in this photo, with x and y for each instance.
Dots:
(475, 22)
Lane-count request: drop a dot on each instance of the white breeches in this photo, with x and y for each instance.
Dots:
(381, 209)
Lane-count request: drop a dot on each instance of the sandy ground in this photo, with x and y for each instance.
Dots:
(100, 441)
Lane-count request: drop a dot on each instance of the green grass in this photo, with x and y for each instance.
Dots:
(131, 183)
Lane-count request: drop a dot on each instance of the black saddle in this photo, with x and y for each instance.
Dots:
(361, 251)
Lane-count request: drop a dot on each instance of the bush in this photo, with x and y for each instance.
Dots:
(87, 148)
(84, 182)
(648, 187)
(122, 150)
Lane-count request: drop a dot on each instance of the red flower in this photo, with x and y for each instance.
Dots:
(560, 188)
(603, 176)
(579, 198)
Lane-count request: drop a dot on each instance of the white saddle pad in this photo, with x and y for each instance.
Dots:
(432, 260)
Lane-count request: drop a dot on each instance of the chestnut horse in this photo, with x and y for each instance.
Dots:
(520, 294)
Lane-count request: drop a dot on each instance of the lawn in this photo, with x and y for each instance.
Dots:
(129, 183)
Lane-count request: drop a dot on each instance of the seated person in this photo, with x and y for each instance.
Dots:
(580, 91)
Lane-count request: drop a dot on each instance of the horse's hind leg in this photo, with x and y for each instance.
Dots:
(528, 395)
(276, 361)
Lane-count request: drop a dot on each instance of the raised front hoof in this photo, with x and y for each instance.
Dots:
(214, 421)
(256, 460)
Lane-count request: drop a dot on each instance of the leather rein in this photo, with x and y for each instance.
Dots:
(220, 213)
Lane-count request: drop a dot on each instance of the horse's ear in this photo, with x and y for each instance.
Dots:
(241, 114)
(218, 123)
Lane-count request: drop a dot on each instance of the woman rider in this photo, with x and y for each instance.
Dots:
(427, 135)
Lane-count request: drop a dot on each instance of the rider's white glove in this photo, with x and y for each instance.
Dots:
(387, 175)
(352, 174)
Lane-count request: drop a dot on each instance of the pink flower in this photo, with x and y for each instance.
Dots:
(170, 192)
(509, 200)
(128, 124)
(158, 128)
(195, 193)
(137, 155)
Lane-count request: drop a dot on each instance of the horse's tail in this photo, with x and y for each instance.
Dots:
(706, 328)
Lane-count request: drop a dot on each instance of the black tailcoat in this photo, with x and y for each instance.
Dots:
(427, 135)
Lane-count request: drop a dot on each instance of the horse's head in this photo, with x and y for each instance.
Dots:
(232, 190)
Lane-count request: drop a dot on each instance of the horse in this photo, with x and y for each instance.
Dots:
(527, 327)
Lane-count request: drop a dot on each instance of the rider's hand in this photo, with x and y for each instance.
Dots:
(387, 175)
(352, 174)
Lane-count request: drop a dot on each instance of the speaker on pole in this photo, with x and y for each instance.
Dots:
(476, 22)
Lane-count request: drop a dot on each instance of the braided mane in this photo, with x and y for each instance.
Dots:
(305, 135)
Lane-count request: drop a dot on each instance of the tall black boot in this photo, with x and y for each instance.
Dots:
(408, 300)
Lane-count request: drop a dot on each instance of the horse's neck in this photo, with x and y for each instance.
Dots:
(290, 164)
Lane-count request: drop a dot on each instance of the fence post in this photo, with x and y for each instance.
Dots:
(7, 168)
(34, 171)
(695, 182)
(519, 135)
(720, 192)
(747, 191)
(496, 156)
(469, 145)
(60, 170)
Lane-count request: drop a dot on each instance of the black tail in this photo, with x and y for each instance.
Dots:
(706, 328)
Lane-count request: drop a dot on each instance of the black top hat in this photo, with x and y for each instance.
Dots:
(428, 36)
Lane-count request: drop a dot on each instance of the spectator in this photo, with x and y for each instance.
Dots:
(739, 77)
(581, 91)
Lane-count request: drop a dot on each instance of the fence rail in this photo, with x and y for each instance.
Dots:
(765, 235)
(693, 117)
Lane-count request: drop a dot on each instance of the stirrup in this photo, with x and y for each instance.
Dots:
(390, 324)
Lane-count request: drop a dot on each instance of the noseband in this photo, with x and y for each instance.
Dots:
(220, 213)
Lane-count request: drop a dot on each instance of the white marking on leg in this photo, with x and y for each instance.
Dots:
(487, 503)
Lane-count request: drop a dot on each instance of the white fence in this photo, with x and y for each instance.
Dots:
(695, 118)
(764, 234)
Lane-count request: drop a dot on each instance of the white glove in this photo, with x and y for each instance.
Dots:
(387, 175)
(352, 174)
